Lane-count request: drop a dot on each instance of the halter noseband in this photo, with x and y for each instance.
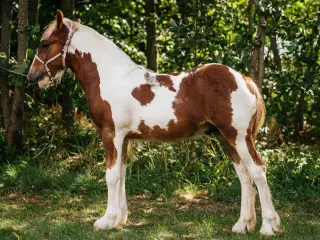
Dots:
(63, 55)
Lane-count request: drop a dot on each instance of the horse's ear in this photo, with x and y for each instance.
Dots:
(79, 20)
(59, 19)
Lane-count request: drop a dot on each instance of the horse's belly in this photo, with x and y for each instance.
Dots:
(175, 131)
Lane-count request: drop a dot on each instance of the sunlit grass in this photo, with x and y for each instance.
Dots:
(71, 216)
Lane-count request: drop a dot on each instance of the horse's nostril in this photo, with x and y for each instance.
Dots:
(34, 76)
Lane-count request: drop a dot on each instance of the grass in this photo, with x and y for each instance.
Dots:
(61, 215)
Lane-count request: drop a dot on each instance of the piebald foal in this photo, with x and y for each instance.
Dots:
(127, 101)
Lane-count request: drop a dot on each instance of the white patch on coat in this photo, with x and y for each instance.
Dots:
(152, 79)
(244, 105)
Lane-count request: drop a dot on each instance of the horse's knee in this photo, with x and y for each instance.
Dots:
(113, 175)
(257, 173)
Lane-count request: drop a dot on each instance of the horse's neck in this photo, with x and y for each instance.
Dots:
(96, 53)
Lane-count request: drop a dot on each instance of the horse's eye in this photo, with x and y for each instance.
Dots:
(45, 45)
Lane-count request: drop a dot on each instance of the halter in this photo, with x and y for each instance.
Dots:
(63, 55)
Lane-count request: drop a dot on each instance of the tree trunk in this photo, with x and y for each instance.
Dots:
(252, 65)
(151, 35)
(300, 113)
(67, 7)
(256, 63)
(65, 100)
(33, 12)
(275, 51)
(262, 35)
(5, 47)
(14, 131)
(250, 18)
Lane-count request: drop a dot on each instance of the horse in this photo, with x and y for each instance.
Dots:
(129, 102)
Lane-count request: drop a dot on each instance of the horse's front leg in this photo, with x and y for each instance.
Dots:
(113, 144)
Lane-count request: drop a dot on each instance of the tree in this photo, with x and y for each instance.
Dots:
(67, 114)
(256, 64)
(5, 48)
(33, 12)
(67, 6)
(14, 130)
(151, 35)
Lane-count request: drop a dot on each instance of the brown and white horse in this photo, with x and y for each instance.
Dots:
(127, 101)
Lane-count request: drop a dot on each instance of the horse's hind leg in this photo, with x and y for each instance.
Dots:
(256, 167)
(247, 218)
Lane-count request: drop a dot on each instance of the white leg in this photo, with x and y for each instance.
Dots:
(248, 193)
(270, 218)
(113, 216)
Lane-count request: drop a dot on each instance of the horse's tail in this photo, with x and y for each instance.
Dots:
(260, 111)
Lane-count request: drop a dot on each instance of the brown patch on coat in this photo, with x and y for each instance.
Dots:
(110, 150)
(205, 95)
(124, 151)
(228, 149)
(143, 94)
(166, 81)
(249, 83)
(250, 142)
(203, 99)
(174, 132)
(100, 110)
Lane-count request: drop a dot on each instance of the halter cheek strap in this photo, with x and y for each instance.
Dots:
(45, 63)
(63, 55)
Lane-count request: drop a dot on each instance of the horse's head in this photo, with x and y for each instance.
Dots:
(49, 63)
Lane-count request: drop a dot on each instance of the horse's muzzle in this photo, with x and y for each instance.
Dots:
(34, 76)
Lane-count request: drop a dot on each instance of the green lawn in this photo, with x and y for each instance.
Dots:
(64, 216)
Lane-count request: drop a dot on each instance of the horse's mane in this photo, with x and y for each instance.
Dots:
(113, 48)
(49, 29)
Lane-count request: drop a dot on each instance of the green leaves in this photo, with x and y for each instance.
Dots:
(19, 69)
(3, 57)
